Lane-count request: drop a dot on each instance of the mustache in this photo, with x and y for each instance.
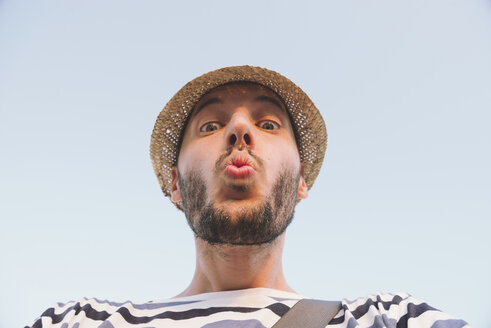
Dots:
(220, 161)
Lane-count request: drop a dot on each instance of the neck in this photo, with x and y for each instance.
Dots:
(231, 267)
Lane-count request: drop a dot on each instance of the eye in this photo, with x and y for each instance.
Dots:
(210, 127)
(268, 125)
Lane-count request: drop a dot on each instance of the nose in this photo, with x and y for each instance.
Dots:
(240, 131)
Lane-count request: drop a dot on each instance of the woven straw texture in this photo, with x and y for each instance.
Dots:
(307, 121)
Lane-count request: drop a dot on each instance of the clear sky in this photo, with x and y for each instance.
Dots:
(402, 202)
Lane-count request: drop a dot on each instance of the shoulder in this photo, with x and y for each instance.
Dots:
(87, 312)
(393, 310)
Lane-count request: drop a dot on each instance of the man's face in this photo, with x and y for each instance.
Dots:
(239, 171)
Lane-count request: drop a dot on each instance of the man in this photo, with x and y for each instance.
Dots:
(236, 149)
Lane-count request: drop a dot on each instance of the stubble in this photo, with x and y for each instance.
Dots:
(252, 224)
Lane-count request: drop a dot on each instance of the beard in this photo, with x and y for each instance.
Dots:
(251, 225)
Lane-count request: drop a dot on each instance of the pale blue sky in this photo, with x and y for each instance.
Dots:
(402, 202)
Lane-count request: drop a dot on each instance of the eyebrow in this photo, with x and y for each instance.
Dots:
(211, 101)
(270, 100)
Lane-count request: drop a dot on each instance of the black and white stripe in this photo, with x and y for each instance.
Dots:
(258, 307)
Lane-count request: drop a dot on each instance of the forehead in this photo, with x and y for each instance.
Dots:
(240, 88)
(242, 91)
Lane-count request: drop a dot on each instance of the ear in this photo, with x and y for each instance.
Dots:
(303, 191)
(175, 192)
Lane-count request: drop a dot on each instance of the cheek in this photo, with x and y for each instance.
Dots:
(197, 156)
(279, 156)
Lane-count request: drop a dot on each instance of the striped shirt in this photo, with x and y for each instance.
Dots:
(248, 308)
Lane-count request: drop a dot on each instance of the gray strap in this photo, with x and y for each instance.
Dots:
(308, 313)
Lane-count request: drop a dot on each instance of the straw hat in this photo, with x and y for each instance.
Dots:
(310, 130)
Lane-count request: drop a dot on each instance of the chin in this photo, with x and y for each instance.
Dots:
(240, 187)
(236, 206)
(238, 192)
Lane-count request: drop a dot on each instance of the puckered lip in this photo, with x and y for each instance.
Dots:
(239, 166)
